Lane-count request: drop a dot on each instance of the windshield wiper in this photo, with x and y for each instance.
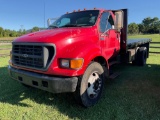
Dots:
(68, 25)
(76, 25)
(71, 25)
(53, 26)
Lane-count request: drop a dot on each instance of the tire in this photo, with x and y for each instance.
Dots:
(135, 61)
(90, 85)
(142, 56)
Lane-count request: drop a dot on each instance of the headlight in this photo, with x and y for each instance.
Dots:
(65, 63)
(71, 63)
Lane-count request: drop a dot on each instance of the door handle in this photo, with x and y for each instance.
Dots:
(117, 36)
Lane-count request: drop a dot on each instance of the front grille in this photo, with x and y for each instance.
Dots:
(28, 49)
(30, 62)
(32, 55)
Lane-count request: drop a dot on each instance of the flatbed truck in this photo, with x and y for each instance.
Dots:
(76, 52)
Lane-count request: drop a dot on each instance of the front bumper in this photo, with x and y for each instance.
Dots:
(44, 82)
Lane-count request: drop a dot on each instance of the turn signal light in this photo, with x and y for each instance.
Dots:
(76, 63)
(71, 63)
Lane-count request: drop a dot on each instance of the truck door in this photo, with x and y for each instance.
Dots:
(109, 37)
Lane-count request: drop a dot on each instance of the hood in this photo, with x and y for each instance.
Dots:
(54, 35)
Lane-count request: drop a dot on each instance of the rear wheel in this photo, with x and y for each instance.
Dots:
(90, 85)
(141, 57)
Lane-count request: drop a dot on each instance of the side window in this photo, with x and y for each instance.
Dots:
(110, 22)
(106, 22)
(103, 21)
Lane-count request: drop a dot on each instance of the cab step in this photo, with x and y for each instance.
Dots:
(113, 63)
(114, 75)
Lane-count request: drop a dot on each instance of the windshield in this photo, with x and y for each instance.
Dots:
(76, 19)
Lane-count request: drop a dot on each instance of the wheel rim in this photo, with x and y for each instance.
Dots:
(94, 85)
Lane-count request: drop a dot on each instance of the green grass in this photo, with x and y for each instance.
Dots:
(7, 38)
(5, 46)
(134, 95)
(5, 51)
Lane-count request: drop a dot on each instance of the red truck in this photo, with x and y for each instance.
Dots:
(76, 52)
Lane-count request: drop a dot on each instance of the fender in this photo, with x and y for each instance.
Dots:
(91, 51)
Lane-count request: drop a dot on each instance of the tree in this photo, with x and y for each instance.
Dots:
(146, 22)
(151, 25)
(34, 29)
(133, 28)
(13, 33)
(24, 31)
(141, 28)
(6, 33)
(155, 26)
(1, 32)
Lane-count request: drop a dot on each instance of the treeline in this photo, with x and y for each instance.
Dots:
(13, 33)
(148, 26)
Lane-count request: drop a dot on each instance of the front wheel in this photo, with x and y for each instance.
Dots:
(90, 85)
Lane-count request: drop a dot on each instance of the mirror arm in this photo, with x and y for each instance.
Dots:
(105, 33)
(48, 22)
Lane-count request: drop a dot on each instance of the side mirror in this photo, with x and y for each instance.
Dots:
(49, 21)
(119, 20)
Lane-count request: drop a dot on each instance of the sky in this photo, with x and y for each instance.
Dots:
(25, 14)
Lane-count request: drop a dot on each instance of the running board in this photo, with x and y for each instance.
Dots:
(114, 75)
(113, 63)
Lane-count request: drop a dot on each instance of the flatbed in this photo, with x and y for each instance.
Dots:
(131, 43)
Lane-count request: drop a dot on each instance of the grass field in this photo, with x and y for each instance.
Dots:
(134, 95)
(5, 46)
(7, 38)
(5, 49)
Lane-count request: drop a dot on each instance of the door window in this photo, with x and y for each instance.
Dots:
(106, 22)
